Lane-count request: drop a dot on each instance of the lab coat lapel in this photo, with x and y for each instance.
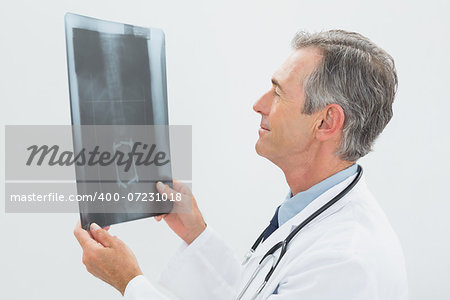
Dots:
(283, 231)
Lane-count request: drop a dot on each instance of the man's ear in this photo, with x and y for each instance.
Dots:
(331, 122)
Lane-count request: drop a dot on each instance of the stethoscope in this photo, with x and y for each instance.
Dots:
(285, 243)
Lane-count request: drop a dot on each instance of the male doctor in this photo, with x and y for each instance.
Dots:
(328, 103)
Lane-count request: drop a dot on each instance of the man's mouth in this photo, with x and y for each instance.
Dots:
(263, 127)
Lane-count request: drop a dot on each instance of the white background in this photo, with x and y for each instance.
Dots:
(220, 57)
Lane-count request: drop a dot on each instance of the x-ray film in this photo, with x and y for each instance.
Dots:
(118, 93)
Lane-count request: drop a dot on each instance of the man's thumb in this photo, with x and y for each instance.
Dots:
(100, 235)
(164, 189)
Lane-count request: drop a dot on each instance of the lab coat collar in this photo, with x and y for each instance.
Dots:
(283, 231)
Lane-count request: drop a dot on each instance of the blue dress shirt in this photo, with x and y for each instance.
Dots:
(292, 205)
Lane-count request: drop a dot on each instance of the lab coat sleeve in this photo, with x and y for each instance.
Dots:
(319, 275)
(139, 288)
(206, 269)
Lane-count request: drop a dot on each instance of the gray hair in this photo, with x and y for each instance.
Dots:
(357, 75)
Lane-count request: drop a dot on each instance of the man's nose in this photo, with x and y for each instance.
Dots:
(262, 105)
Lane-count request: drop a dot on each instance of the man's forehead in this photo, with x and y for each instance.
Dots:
(298, 65)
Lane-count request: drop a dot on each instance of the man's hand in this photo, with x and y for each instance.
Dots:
(107, 257)
(185, 219)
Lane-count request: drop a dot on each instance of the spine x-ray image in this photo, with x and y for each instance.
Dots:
(117, 77)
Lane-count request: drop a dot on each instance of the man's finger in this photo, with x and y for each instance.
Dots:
(165, 189)
(83, 236)
(181, 187)
(178, 188)
(162, 188)
(101, 235)
(160, 217)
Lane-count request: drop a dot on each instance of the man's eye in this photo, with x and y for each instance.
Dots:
(275, 93)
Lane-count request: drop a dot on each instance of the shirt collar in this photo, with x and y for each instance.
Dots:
(292, 205)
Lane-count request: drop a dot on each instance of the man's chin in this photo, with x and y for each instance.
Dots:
(260, 149)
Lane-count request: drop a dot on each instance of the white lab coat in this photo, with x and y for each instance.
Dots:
(348, 252)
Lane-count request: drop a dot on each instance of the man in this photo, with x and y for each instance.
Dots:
(328, 103)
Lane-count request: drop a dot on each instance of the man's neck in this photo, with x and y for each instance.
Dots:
(301, 177)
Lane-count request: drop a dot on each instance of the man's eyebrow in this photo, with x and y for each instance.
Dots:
(276, 83)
